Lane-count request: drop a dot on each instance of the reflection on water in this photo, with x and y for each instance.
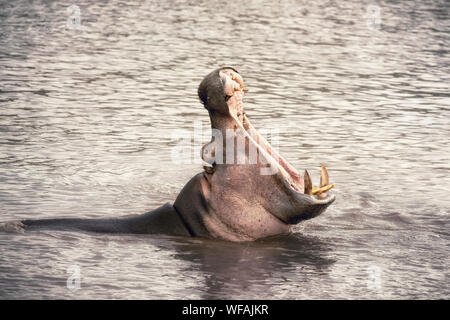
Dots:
(86, 116)
(232, 270)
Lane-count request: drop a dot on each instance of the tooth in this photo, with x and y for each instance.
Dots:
(308, 183)
(323, 177)
(322, 189)
(233, 76)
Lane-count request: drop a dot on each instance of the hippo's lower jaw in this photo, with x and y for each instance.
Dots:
(243, 196)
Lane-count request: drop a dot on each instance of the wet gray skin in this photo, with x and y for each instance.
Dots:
(247, 190)
(238, 198)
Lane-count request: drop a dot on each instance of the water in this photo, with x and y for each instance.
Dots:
(87, 115)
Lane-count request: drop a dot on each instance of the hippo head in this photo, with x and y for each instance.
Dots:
(249, 191)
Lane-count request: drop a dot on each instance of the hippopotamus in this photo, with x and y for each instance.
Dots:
(246, 191)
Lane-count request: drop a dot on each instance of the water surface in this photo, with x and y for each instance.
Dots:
(86, 121)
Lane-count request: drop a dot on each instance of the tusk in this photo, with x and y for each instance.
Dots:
(308, 183)
(322, 189)
(323, 177)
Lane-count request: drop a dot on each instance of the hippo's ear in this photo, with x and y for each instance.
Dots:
(211, 93)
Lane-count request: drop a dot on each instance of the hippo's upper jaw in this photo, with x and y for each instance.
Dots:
(252, 191)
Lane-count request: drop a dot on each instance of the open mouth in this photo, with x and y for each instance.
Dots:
(234, 90)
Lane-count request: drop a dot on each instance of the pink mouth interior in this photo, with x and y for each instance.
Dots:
(234, 89)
